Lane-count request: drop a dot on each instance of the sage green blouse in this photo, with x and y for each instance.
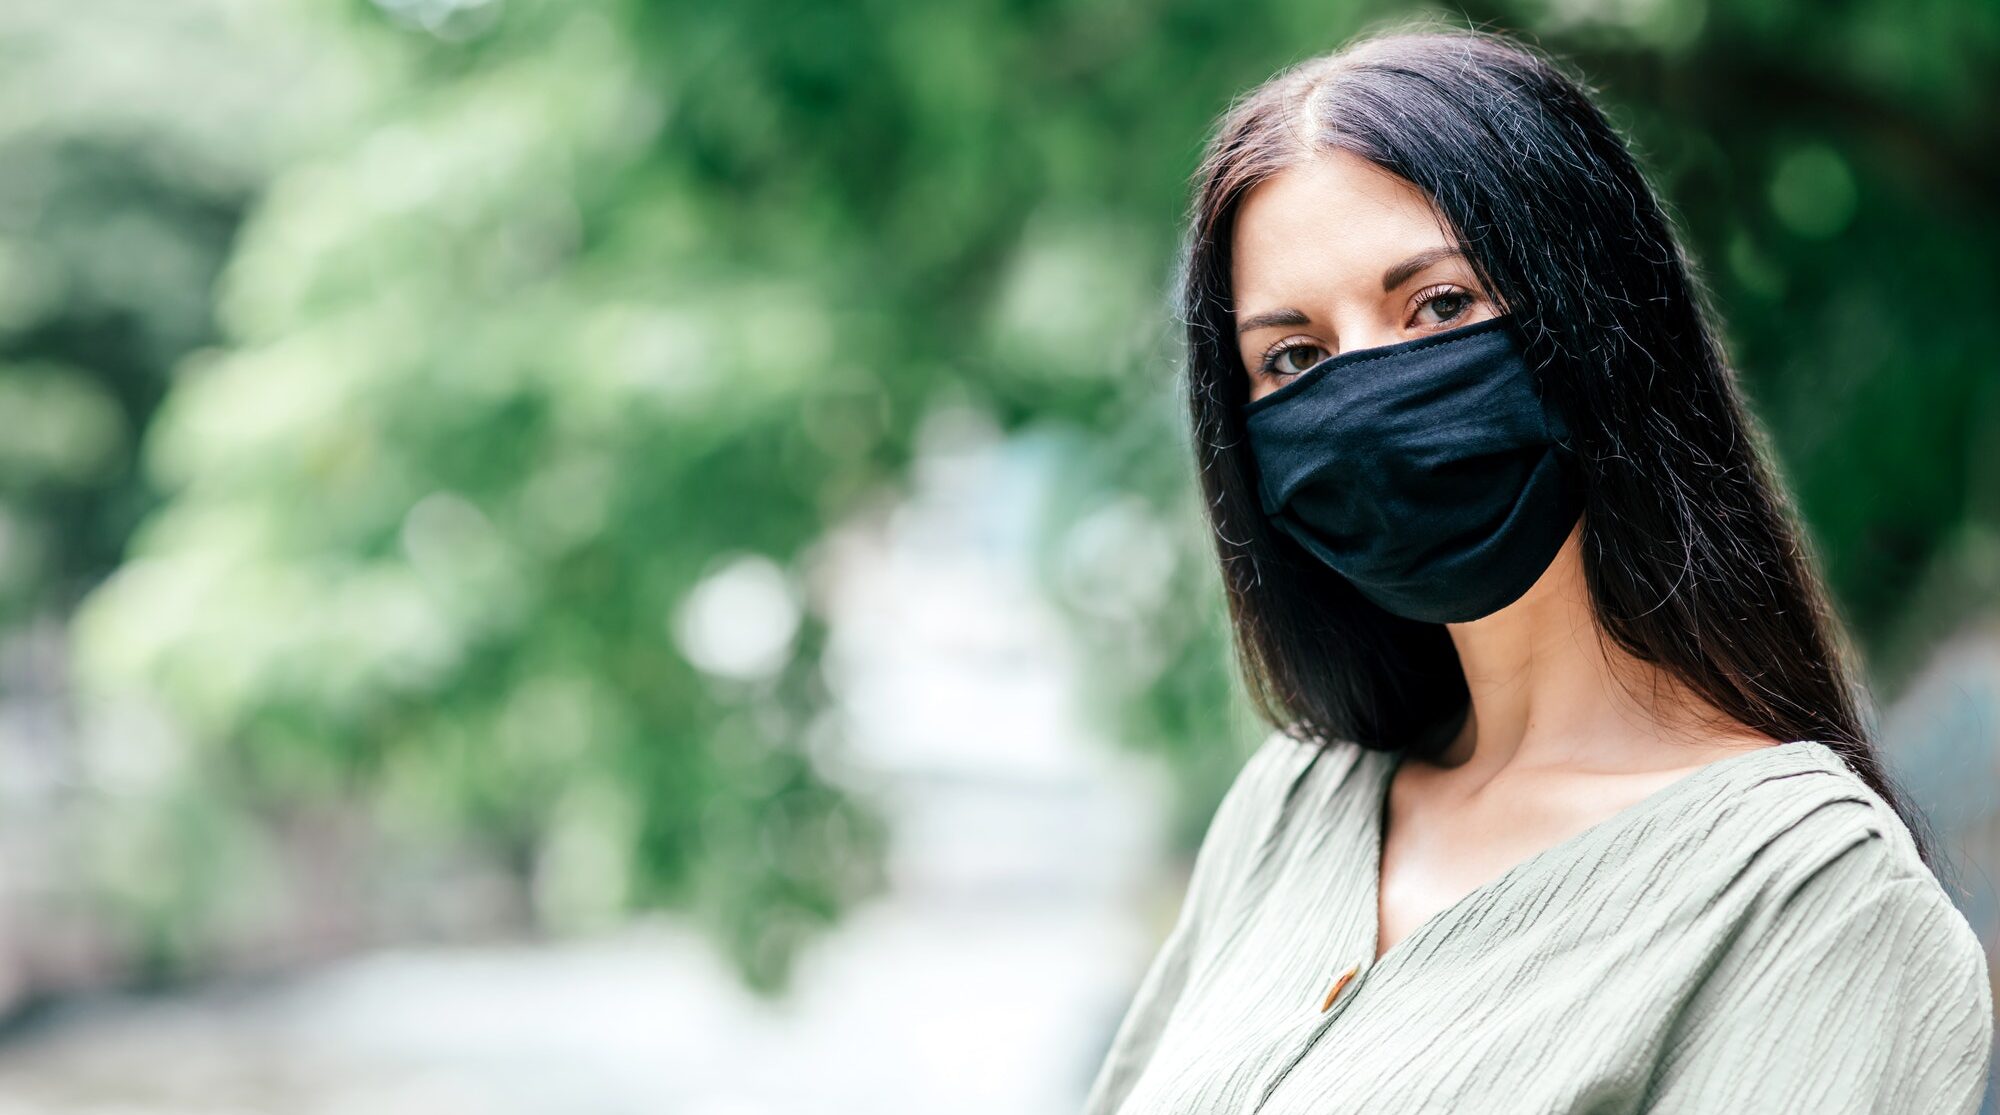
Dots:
(1757, 936)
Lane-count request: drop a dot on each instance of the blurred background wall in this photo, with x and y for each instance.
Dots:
(565, 555)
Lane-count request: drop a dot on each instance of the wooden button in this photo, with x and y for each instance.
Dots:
(1337, 985)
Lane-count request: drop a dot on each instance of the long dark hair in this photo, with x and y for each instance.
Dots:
(1691, 550)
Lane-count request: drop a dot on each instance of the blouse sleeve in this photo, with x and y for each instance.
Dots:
(1866, 993)
(1218, 864)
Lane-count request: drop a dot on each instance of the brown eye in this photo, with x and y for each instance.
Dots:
(1448, 306)
(1291, 359)
(1442, 305)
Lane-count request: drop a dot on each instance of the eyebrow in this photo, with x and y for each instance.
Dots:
(1273, 317)
(1391, 279)
(1398, 275)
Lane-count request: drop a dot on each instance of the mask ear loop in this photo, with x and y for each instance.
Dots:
(1558, 431)
(1554, 426)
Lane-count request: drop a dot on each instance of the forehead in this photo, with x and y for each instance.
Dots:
(1335, 221)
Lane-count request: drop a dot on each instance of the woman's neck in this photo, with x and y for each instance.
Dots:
(1546, 689)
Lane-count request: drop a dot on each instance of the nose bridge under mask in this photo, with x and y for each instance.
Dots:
(1427, 472)
(1434, 398)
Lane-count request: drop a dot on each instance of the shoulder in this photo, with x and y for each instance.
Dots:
(1276, 767)
(1280, 758)
(1871, 952)
(1858, 875)
(1794, 812)
(1840, 885)
(1840, 968)
(1256, 801)
(1258, 791)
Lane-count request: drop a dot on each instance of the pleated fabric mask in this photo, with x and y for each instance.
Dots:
(1429, 473)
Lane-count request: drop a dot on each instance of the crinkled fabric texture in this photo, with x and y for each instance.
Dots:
(1758, 936)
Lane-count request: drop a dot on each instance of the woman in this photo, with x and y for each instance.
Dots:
(1573, 810)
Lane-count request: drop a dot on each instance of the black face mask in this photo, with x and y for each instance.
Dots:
(1426, 472)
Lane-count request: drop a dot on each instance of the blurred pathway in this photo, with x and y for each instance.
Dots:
(987, 981)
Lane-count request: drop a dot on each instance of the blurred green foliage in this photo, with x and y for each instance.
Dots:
(486, 374)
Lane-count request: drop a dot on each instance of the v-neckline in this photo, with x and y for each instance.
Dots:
(1567, 847)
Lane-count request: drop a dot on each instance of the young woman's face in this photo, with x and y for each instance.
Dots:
(1338, 254)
